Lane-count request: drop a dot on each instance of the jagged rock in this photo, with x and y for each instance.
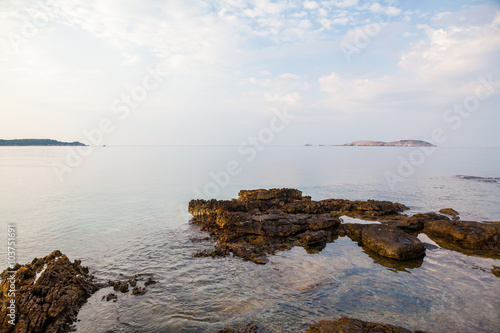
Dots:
(247, 328)
(291, 201)
(496, 271)
(121, 286)
(150, 281)
(110, 297)
(466, 236)
(261, 222)
(351, 325)
(450, 211)
(280, 195)
(139, 291)
(49, 294)
(413, 223)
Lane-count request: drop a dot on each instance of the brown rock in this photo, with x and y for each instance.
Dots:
(110, 297)
(496, 271)
(391, 242)
(121, 286)
(247, 328)
(150, 281)
(281, 195)
(351, 325)
(139, 291)
(261, 222)
(413, 223)
(449, 211)
(49, 294)
(466, 236)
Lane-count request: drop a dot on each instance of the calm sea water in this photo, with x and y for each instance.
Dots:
(123, 211)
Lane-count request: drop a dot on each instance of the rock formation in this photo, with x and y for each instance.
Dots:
(261, 222)
(48, 294)
(466, 236)
(351, 325)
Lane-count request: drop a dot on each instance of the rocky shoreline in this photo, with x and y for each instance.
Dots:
(50, 291)
(260, 222)
(48, 294)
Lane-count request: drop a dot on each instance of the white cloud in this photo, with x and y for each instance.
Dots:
(344, 3)
(289, 76)
(453, 52)
(330, 83)
(130, 59)
(311, 5)
(432, 74)
(289, 99)
(389, 10)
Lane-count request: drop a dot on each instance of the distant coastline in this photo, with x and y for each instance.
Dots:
(38, 142)
(400, 143)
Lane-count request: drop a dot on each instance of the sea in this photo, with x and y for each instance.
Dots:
(123, 211)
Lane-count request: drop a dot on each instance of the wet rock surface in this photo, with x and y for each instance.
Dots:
(386, 241)
(450, 212)
(49, 293)
(260, 222)
(134, 283)
(110, 297)
(247, 328)
(466, 236)
(351, 325)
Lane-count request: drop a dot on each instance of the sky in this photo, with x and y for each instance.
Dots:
(205, 72)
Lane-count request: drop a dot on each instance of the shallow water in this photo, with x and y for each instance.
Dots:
(123, 211)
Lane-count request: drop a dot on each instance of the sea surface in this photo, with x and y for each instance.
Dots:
(123, 211)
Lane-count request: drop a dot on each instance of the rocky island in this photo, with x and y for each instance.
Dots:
(38, 142)
(400, 143)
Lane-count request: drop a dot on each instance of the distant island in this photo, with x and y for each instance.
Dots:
(400, 143)
(38, 142)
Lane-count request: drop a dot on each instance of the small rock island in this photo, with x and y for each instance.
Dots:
(38, 142)
(400, 143)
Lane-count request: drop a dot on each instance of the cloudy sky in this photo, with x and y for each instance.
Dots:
(215, 72)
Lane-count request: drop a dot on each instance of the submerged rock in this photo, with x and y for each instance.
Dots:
(139, 290)
(110, 297)
(150, 281)
(247, 328)
(121, 286)
(48, 294)
(351, 325)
